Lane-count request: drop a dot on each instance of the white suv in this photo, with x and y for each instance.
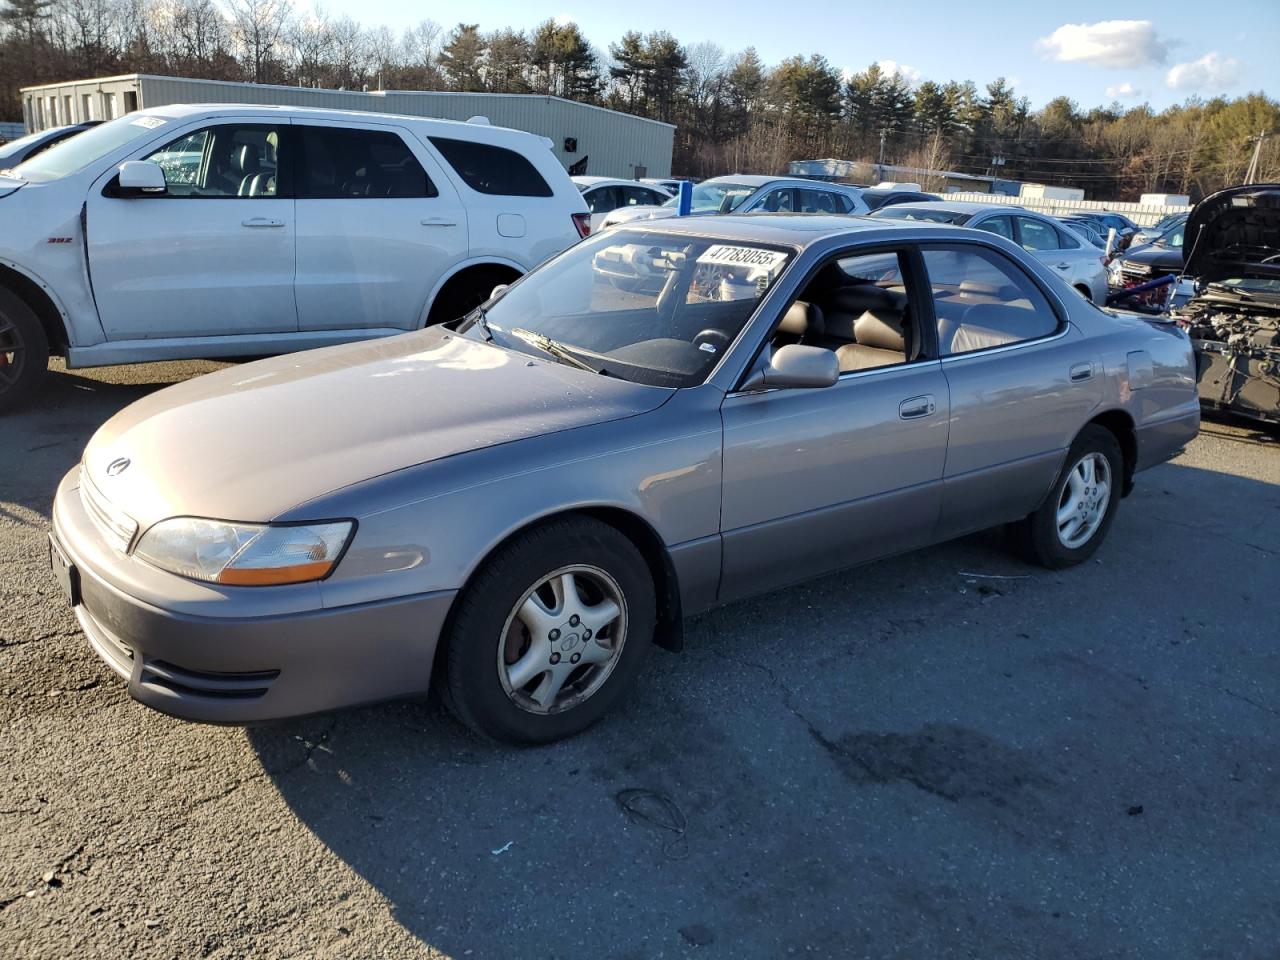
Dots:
(221, 231)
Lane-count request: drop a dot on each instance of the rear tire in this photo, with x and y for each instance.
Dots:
(505, 677)
(1074, 519)
(24, 350)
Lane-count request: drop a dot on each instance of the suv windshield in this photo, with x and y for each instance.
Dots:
(716, 196)
(657, 309)
(76, 153)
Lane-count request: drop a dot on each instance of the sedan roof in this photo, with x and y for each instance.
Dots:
(786, 229)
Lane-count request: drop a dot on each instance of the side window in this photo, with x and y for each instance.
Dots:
(999, 225)
(344, 163)
(982, 299)
(817, 201)
(1067, 241)
(858, 307)
(844, 204)
(638, 196)
(228, 160)
(602, 199)
(779, 201)
(1037, 235)
(492, 170)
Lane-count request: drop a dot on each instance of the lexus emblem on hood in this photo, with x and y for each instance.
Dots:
(117, 466)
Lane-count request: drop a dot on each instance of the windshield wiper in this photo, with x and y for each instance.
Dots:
(478, 318)
(556, 349)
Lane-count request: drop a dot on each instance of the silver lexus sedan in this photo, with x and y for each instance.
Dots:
(664, 418)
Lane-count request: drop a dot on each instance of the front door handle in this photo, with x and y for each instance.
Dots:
(916, 407)
(1081, 372)
(261, 222)
(1063, 266)
(439, 222)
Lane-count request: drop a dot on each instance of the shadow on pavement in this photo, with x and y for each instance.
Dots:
(942, 754)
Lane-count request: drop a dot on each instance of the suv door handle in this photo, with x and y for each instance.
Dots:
(916, 407)
(1081, 372)
(439, 222)
(261, 222)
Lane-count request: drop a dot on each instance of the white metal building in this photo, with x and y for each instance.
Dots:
(617, 144)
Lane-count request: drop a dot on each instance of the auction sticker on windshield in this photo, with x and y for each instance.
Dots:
(727, 255)
(149, 122)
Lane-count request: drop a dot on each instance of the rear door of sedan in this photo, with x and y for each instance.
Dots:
(820, 479)
(1022, 380)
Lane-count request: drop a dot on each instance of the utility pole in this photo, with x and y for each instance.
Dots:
(883, 132)
(1257, 153)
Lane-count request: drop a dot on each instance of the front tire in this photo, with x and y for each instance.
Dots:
(550, 634)
(24, 350)
(1074, 519)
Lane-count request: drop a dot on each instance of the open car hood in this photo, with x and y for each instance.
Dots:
(1235, 234)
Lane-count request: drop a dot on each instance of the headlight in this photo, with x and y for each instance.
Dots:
(1113, 271)
(244, 554)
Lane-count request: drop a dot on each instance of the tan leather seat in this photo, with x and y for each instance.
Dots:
(802, 321)
(845, 305)
(986, 325)
(880, 341)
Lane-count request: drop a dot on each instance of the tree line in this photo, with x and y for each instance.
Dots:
(733, 112)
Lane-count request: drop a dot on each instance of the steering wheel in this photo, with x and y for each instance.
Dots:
(716, 337)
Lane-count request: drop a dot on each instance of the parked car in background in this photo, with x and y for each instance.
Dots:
(669, 184)
(875, 198)
(1234, 317)
(1074, 259)
(1138, 265)
(306, 533)
(1162, 226)
(1107, 221)
(1086, 228)
(18, 151)
(605, 194)
(750, 193)
(217, 231)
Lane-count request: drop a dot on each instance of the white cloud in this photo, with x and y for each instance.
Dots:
(894, 68)
(564, 19)
(1123, 91)
(1107, 43)
(1213, 71)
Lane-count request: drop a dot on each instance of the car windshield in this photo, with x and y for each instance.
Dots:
(716, 196)
(932, 215)
(15, 147)
(76, 153)
(657, 309)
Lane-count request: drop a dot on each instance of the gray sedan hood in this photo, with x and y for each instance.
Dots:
(249, 442)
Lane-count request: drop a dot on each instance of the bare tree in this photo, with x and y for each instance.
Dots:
(258, 26)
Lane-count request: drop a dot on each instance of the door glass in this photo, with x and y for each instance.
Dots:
(638, 196)
(1037, 235)
(230, 160)
(998, 225)
(816, 201)
(983, 300)
(601, 200)
(348, 164)
(779, 201)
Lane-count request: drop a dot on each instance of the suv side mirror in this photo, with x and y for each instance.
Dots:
(796, 365)
(140, 178)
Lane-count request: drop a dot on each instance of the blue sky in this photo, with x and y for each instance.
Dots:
(1094, 52)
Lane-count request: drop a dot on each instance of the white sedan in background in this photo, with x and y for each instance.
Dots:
(753, 193)
(604, 195)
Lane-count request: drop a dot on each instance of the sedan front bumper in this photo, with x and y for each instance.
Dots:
(227, 667)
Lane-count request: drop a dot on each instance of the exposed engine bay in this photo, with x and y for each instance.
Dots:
(1237, 343)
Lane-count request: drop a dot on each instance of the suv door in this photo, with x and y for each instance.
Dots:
(1022, 381)
(213, 255)
(820, 479)
(378, 226)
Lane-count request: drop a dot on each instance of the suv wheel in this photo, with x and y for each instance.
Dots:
(24, 350)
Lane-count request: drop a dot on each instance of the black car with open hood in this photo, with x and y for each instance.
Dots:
(1232, 247)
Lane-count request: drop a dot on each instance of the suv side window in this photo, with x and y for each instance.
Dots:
(982, 299)
(236, 160)
(346, 163)
(640, 196)
(818, 201)
(497, 171)
(602, 199)
(1002, 226)
(1037, 235)
(778, 201)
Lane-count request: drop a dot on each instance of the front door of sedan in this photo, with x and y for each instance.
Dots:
(213, 255)
(1022, 381)
(820, 479)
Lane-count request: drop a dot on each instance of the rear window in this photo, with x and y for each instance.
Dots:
(492, 170)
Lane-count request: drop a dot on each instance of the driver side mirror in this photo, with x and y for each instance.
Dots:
(140, 178)
(795, 365)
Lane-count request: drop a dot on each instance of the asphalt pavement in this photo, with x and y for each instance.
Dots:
(946, 754)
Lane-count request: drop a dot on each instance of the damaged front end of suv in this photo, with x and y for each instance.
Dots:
(1233, 244)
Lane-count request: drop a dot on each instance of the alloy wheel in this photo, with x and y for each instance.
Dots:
(1083, 503)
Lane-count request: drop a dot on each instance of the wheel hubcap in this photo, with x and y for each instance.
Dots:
(1084, 500)
(562, 639)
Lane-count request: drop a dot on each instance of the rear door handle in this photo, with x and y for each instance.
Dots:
(916, 407)
(1081, 372)
(261, 222)
(439, 222)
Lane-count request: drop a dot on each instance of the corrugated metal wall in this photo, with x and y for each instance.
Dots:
(1143, 216)
(618, 145)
